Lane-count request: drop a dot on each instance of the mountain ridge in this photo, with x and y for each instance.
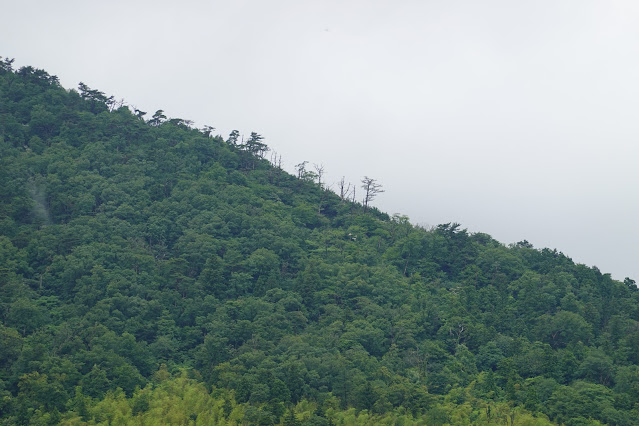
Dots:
(141, 257)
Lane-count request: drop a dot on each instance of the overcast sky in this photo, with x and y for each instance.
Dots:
(515, 118)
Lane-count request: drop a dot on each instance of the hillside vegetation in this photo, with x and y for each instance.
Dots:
(151, 272)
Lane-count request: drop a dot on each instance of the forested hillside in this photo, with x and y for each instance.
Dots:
(151, 272)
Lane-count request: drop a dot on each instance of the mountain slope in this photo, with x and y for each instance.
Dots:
(144, 258)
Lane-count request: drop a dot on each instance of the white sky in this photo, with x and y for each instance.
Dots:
(518, 119)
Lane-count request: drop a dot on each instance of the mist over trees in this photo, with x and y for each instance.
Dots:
(152, 272)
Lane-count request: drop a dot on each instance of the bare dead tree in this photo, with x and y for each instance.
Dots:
(276, 161)
(344, 189)
(271, 170)
(319, 171)
(114, 104)
(319, 174)
(371, 188)
(279, 168)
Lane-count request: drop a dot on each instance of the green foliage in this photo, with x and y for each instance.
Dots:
(151, 273)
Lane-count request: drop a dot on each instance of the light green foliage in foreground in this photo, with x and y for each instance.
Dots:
(184, 401)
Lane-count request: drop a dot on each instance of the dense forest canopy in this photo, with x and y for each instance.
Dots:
(152, 272)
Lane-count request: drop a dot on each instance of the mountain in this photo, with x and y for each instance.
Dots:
(151, 272)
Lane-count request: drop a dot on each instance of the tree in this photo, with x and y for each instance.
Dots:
(319, 173)
(255, 146)
(158, 118)
(371, 189)
(630, 283)
(276, 161)
(180, 122)
(6, 65)
(563, 328)
(95, 97)
(233, 136)
(290, 419)
(301, 169)
(208, 131)
(345, 189)
(139, 113)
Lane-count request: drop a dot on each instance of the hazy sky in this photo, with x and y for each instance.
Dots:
(515, 118)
